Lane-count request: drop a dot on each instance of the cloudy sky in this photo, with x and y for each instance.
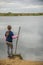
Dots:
(18, 6)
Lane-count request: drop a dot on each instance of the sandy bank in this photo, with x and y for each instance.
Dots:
(17, 61)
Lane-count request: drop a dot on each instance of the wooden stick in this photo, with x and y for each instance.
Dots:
(17, 40)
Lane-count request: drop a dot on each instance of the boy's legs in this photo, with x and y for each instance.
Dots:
(11, 49)
(8, 50)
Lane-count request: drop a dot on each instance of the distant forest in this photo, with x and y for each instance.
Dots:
(20, 14)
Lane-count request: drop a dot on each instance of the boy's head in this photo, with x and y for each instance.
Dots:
(9, 27)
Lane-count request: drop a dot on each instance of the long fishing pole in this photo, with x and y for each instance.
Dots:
(17, 40)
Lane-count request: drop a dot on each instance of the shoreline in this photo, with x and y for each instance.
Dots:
(17, 61)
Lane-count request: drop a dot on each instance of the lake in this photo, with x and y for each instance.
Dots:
(30, 43)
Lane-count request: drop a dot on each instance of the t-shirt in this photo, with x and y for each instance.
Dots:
(9, 37)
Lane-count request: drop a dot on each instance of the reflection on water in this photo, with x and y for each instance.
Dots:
(30, 43)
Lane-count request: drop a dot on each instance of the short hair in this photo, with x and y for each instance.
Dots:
(9, 27)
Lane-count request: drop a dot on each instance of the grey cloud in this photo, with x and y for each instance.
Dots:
(25, 1)
(5, 0)
(40, 0)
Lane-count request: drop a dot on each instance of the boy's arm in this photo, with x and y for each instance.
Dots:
(4, 37)
(14, 36)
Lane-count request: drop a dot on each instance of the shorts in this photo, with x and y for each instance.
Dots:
(9, 44)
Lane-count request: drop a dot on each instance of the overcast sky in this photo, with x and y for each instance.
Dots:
(21, 6)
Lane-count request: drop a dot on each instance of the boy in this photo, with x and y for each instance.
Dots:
(9, 38)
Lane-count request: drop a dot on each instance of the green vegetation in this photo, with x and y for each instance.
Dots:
(20, 14)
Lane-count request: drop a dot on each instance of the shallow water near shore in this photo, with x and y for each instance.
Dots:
(30, 44)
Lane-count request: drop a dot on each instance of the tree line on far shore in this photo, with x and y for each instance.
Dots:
(20, 14)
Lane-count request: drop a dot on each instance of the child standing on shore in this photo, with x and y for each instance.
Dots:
(9, 39)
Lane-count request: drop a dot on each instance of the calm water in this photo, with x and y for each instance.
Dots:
(30, 44)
